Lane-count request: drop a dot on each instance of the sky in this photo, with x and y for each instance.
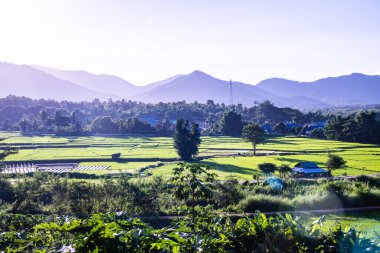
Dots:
(146, 41)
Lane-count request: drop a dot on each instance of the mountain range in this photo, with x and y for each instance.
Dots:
(42, 82)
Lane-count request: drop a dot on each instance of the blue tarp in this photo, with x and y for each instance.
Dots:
(275, 183)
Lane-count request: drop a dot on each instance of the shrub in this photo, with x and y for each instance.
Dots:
(267, 168)
(228, 193)
(317, 201)
(370, 180)
(6, 191)
(264, 203)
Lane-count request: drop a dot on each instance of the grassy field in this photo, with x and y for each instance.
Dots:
(367, 222)
(224, 152)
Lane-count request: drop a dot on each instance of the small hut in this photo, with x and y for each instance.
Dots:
(309, 169)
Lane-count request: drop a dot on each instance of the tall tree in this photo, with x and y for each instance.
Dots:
(44, 115)
(187, 138)
(24, 125)
(255, 134)
(333, 129)
(231, 123)
(368, 127)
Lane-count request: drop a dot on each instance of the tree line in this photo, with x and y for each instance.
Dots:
(49, 116)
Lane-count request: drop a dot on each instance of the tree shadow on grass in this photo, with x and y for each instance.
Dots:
(356, 147)
(231, 168)
(275, 141)
(293, 161)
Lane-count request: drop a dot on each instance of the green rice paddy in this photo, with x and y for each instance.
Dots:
(222, 153)
(367, 222)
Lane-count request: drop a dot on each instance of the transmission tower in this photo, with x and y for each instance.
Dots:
(231, 94)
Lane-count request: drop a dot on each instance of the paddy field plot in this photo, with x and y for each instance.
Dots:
(228, 155)
(367, 222)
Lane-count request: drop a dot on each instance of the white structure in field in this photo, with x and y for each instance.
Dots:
(49, 167)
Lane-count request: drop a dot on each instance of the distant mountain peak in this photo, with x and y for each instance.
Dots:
(356, 73)
(199, 73)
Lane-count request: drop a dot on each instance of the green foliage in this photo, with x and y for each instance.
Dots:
(104, 124)
(49, 194)
(369, 180)
(255, 134)
(335, 162)
(136, 126)
(211, 233)
(284, 169)
(6, 152)
(363, 128)
(280, 128)
(228, 192)
(192, 182)
(318, 133)
(267, 168)
(231, 123)
(200, 230)
(264, 203)
(69, 118)
(186, 139)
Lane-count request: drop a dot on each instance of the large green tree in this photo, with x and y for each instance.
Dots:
(187, 138)
(255, 134)
(334, 128)
(231, 123)
(368, 128)
(104, 125)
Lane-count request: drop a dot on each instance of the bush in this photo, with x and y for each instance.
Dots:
(267, 168)
(317, 201)
(6, 191)
(228, 193)
(370, 180)
(264, 203)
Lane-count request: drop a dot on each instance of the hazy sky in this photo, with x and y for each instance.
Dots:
(144, 41)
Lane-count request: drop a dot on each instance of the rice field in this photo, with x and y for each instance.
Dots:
(367, 222)
(222, 153)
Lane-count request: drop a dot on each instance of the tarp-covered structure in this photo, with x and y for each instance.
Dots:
(309, 169)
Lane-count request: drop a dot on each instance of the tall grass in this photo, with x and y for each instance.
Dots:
(311, 196)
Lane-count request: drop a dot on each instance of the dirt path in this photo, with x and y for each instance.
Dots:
(318, 211)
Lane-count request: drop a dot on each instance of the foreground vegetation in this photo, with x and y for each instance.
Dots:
(54, 195)
(47, 213)
(207, 233)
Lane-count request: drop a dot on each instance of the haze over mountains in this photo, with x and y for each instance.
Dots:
(47, 83)
(100, 83)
